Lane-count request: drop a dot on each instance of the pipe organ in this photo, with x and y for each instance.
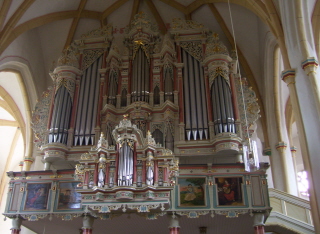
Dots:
(181, 87)
(125, 115)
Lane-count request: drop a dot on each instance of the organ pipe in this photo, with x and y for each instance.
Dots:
(140, 79)
(196, 120)
(61, 116)
(125, 165)
(223, 116)
(87, 105)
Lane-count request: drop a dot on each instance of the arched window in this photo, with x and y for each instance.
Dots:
(168, 84)
(112, 87)
(124, 98)
(156, 96)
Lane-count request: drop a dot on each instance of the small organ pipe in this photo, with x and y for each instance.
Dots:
(186, 97)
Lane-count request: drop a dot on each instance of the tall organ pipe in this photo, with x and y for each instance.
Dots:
(125, 165)
(61, 116)
(140, 79)
(223, 115)
(87, 105)
(196, 120)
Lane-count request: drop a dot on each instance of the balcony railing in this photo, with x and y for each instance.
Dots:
(289, 212)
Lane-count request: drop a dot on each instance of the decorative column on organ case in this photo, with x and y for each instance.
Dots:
(16, 225)
(174, 224)
(87, 224)
(258, 223)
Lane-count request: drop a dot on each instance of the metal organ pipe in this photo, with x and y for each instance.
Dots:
(125, 166)
(87, 105)
(186, 98)
(204, 105)
(61, 116)
(196, 120)
(222, 106)
(197, 82)
(140, 79)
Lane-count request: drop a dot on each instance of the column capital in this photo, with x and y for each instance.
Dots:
(27, 162)
(310, 65)
(289, 76)
(281, 146)
(293, 149)
(267, 151)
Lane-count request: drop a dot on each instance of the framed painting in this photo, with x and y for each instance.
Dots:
(192, 192)
(68, 196)
(37, 196)
(229, 191)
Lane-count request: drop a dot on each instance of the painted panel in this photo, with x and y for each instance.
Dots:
(229, 191)
(68, 197)
(192, 192)
(37, 196)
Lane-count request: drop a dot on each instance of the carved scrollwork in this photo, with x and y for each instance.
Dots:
(248, 106)
(105, 31)
(40, 116)
(80, 169)
(215, 46)
(150, 140)
(69, 57)
(69, 84)
(179, 23)
(192, 214)
(141, 21)
(89, 56)
(194, 48)
(169, 127)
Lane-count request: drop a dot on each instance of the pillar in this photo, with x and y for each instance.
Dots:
(174, 227)
(304, 90)
(87, 224)
(27, 163)
(16, 225)
(258, 223)
(281, 148)
(47, 166)
(308, 130)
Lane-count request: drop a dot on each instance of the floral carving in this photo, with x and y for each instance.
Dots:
(89, 56)
(40, 118)
(194, 48)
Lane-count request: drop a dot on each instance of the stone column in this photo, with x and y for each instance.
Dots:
(281, 148)
(304, 91)
(27, 163)
(258, 223)
(87, 224)
(16, 225)
(174, 227)
(308, 137)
